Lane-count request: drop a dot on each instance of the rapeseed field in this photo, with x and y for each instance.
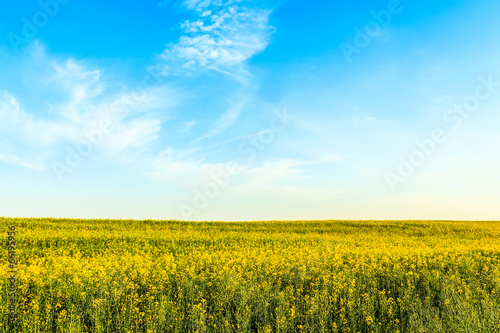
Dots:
(283, 276)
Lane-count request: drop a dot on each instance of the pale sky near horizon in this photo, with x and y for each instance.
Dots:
(250, 110)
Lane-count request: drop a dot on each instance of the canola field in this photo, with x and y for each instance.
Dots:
(300, 276)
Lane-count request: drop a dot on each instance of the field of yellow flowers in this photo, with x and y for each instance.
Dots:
(301, 276)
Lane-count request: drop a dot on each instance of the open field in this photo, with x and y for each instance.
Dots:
(321, 276)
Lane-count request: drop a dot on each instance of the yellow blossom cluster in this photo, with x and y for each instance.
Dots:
(281, 276)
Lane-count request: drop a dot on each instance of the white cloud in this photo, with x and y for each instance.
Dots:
(226, 120)
(80, 103)
(18, 125)
(222, 37)
(202, 5)
(81, 83)
(241, 137)
(277, 177)
(37, 164)
(187, 126)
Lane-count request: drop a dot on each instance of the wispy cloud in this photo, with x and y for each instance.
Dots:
(222, 37)
(16, 160)
(240, 138)
(78, 101)
(226, 120)
(204, 5)
(187, 126)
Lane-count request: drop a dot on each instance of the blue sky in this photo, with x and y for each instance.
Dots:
(245, 110)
